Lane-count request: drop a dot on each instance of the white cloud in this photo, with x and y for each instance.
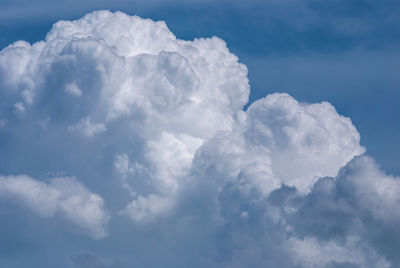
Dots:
(73, 90)
(144, 209)
(123, 165)
(171, 94)
(314, 253)
(373, 190)
(280, 141)
(66, 196)
(87, 128)
(201, 178)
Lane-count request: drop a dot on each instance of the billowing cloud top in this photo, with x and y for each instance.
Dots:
(116, 129)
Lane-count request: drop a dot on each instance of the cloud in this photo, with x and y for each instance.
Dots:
(109, 72)
(281, 141)
(87, 128)
(314, 253)
(61, 195)
(359, 204)
(155, 125)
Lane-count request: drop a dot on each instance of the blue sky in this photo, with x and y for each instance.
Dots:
(344, 52)
(123, 146)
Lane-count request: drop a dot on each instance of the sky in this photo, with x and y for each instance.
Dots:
(227, 134)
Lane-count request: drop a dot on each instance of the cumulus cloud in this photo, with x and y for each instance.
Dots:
(61, 195)
(112, 71)
(358, 204)
(156, 126)
(280, 141)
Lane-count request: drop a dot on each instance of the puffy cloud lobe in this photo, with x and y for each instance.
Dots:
(136, 64)
(307, 141)
(66, 196)
(156, 125)
(359, 203)
(280, 141)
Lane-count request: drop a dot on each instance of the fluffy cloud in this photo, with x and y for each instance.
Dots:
(280, 141)
(156, 126)
(61, 195)
(358, 204)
